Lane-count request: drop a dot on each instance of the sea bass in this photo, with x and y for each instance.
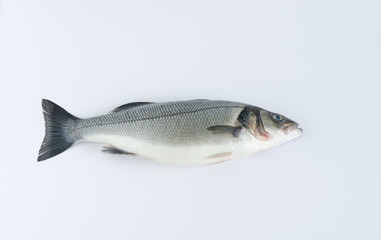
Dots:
(187, 133)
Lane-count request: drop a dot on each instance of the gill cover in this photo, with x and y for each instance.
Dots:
(250, 118)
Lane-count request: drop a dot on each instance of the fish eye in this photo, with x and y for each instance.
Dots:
(277, 117)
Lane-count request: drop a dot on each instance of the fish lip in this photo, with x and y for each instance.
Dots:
(293, 128)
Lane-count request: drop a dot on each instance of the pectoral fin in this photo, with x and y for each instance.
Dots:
(114, 150)
(225, 129)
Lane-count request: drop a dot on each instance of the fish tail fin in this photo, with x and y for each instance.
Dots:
(59, 130)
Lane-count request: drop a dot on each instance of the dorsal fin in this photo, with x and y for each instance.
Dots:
(130, 105)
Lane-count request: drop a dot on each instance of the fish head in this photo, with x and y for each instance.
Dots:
(279, 126)
(269, 127)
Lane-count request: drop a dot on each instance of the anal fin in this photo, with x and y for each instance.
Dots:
(114, 150)
(220, 155)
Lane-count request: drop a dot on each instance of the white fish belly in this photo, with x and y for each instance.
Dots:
(194, 155)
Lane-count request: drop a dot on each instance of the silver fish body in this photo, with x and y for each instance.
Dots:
(188, 133)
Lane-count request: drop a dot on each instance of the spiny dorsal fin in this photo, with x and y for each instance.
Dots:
(114, 150)
(130, 105)
(225, 129)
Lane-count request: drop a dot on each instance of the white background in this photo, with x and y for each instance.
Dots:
(317, 62)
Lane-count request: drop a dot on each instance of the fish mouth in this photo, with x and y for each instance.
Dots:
(292, 128)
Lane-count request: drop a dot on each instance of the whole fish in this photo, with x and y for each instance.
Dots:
(188, 133)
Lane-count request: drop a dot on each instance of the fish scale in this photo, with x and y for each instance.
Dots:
(173, 124)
